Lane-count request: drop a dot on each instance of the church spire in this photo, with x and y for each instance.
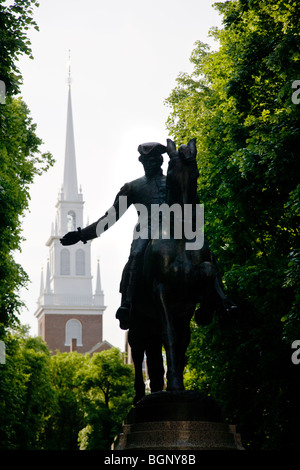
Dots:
(98, 282)
(99, 296)
(70, 185)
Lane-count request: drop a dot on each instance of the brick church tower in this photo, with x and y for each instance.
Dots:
(69, 314)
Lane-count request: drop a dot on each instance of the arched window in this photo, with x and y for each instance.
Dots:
(73, 331)
(80, 263)
(71, 221)
(64, 262)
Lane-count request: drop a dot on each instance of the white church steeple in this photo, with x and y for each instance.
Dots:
(67, 308)
(70, 185)
(70, 267)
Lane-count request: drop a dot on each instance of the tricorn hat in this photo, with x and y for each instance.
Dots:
(150, 149)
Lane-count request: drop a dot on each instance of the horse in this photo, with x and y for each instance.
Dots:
(173, 280)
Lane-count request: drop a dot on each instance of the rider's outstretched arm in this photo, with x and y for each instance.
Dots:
(95, 229)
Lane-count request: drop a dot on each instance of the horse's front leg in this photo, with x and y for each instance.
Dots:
(139, 384)
(174, 376)
(137, 353)
(183, 341)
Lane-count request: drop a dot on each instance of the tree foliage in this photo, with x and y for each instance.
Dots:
(238, 103)
(109, 387)
(20, 157)
(20, 162)
(15, 21)
(93, 395)
(62, 402)
(26, 394)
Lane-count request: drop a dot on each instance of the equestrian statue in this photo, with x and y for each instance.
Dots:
(169, 276)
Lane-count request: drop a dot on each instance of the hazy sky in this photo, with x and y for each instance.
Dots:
(125, 57)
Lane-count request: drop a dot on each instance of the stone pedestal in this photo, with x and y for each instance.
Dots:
(186, 420)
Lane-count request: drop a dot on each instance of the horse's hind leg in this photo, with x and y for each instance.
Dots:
(204, 314)
(155, 365)
(174, 377)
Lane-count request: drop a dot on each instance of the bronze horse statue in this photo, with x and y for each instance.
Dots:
(173, 281)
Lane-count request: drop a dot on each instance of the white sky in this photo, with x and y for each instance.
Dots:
(125, 57)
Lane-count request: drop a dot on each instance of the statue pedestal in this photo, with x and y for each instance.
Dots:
(186, 420)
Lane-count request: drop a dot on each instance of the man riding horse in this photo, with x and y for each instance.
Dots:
(148, 190)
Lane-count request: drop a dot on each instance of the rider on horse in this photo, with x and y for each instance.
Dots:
(147, 190)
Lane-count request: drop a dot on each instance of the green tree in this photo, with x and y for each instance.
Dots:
(26, 394)
(109, 384)
(20, 162)
(61, 402)
(67, 418)
(40, 397)
(237, 102)
(13, 381)
(20, 157)
(15, 21)
(92, 397)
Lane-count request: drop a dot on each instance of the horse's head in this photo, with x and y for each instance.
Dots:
(182, 173)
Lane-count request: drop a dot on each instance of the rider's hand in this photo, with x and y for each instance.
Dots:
(70, 238)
